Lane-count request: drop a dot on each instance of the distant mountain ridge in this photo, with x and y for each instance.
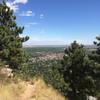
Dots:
(25, 46)
(86, 46)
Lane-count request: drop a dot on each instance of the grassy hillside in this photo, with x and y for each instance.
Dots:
(28, 91)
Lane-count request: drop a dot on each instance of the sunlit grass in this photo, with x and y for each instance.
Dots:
(27, 91)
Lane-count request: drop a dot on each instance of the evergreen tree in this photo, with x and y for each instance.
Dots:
(96, 57)
(77, 71)
(96, 54)
(10, 41)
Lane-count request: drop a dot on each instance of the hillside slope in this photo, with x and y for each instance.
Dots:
(27, 91)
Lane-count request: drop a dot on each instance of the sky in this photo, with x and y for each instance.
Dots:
(58, 22)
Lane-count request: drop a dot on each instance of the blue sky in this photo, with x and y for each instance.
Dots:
(49, 22)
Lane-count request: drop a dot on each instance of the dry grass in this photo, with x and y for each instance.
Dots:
(27, 91)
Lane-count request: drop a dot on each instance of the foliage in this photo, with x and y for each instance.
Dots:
(96, 54)
(96, 57)
(10, 41)
(76, 76)
(78, 72)
(40, 51)
(48, 71)
(52, 76)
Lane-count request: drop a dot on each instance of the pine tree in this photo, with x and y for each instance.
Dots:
(96, 54)
(11, 50)
(96, 57)
(78, 72)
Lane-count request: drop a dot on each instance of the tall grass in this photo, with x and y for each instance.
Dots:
(27, 91)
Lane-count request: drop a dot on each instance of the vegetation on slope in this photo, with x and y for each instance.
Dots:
(11, 51)
(26, 91)
(76, 77)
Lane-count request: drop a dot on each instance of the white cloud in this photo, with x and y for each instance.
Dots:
(20, 1)
(14, 5)
(41, 16)
(30, 24)
(27, 13)
(33, 23)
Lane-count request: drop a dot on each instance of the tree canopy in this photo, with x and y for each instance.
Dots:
(78, 72)
(96, 57)
(10, 41)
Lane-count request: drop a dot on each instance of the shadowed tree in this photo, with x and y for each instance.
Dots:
(77, 71)
(11, 49)
(96, 54)
(96, 57)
